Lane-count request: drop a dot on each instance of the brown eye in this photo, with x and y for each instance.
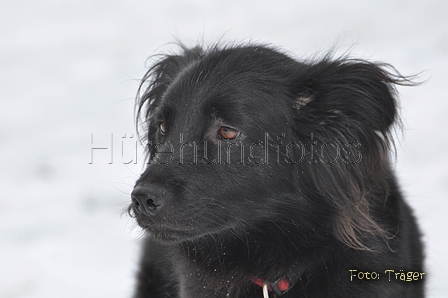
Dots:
(228, 133)
(162, 128)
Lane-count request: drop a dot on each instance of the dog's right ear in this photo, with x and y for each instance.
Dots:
(157, 79)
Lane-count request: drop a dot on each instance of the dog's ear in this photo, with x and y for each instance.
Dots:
(156, 81)
(158, 78)
(358, 90)
(346, 108)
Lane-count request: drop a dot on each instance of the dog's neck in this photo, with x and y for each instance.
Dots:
(219, 262)
(280, 286)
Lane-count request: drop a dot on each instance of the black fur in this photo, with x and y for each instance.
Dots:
(304, 192)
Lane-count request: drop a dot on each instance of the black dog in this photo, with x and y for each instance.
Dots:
(270, 177)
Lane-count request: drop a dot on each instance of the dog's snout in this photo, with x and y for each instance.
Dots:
(148, 199)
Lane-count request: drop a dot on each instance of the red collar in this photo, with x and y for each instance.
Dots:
(280, 287)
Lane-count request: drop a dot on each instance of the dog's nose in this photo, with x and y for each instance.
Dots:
(148, 199)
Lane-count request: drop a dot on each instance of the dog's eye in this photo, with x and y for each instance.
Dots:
(228, 133)
(162, 128)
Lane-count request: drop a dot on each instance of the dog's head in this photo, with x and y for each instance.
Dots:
(245, 135)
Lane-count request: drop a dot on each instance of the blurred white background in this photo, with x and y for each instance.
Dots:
(70, 69)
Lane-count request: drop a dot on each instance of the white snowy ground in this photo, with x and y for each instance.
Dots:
(70, 69)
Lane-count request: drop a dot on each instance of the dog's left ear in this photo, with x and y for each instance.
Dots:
(349, 106)
(358, 90)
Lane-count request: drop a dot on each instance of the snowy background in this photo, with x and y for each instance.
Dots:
(70, 70)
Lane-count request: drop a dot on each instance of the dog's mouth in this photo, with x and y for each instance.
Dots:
(169, 234)
(168, 231)
(176, 231)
